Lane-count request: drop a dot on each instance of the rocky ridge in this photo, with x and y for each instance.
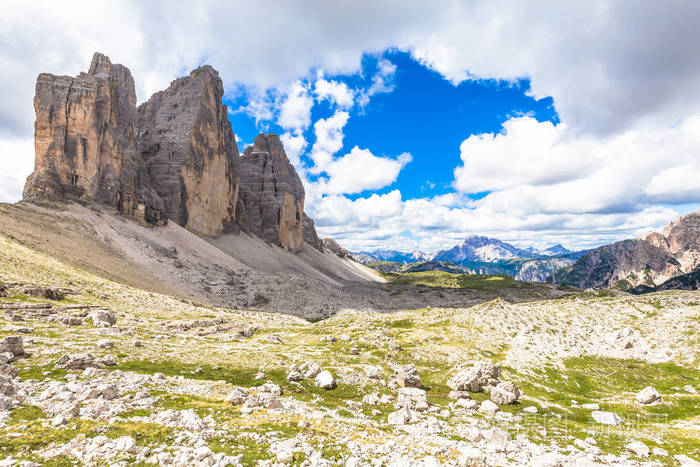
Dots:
(649, 260)
(85, 142)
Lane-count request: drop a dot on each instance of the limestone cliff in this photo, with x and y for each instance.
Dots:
(309, 233)
(85, 142)
(175, 157)
(271, 201)
(187, 142)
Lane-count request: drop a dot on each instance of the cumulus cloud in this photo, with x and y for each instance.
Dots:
(294, 146)
(606, 63)
(360, 170)
(335, 91)
(329, 140)
(295, 108)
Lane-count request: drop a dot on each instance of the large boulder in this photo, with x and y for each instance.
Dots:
(648, 395)
(103, 318)
(186, 140)
(271, 200)
(325, 380)
(85, 142)
(474, 379)
(505, 393)
(408, 377)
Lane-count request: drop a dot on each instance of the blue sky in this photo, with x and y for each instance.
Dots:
(413, 125)
(424, 114)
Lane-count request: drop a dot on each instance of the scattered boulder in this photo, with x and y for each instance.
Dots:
(413, 398)
(474, 379)
(43, 292)
(267, 400)
(401, 417)
(488, 407)
(468, 404)
(638, 449)
(75, 362)
(648, 395)
(103, 318)
(105, 344)
(371, 399)
(591, 406)
(606, 418)
(71, 320)
(408, 376)
(13, 345)
(457, 395)
(294, 375)
(325, 380)
(310, 369)
(237, 397)
(271, 388)
(505, 393)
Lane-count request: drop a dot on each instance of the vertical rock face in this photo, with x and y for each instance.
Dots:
(187, 142)
(271, 201)
(309, 233)
(85, 142)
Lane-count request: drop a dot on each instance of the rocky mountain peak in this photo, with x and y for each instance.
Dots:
(85, 142)
(175, 157)
(187, 142)
(271, 202)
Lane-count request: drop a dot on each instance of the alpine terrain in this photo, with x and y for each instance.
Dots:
(166, 299)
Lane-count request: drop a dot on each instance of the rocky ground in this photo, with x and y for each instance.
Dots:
(97, 373)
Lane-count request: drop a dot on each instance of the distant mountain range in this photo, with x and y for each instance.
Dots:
(490, 250)
(393, 256)
(476, 255)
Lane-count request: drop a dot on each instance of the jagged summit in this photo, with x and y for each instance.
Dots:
(187, 142)
(85, 142)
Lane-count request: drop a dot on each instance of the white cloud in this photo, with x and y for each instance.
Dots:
(539, 168)
(295, 109)
(337, 92)
(17, 161)
(360, 170)
(329, 140)
(678, 184)
(632, 61)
